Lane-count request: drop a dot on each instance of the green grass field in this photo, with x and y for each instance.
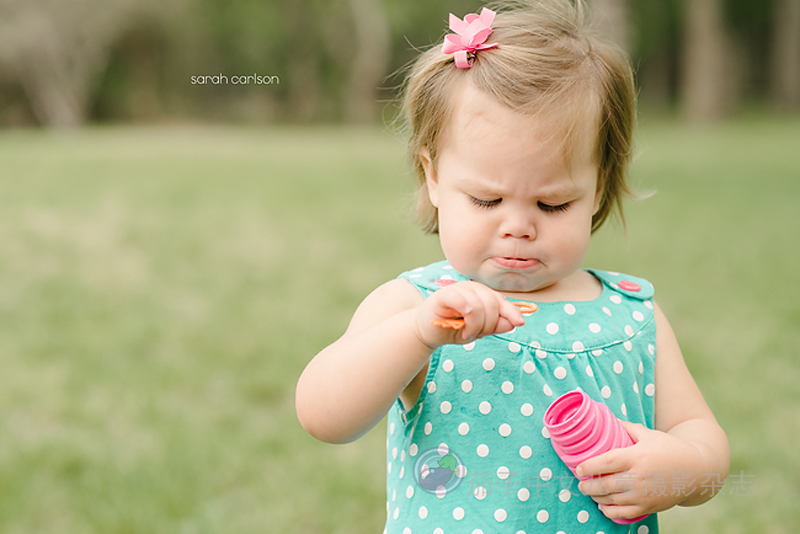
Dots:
(161, 289)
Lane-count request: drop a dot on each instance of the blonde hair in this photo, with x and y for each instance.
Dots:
(548, 62)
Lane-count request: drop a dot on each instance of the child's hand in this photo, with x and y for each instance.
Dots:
(485, 312)
(658, 472)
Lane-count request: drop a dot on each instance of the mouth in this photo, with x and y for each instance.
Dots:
(516, 263)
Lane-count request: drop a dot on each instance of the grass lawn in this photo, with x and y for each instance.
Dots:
(161, 289)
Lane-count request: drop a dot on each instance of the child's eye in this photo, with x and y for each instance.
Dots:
(485, 203)
(561, 208)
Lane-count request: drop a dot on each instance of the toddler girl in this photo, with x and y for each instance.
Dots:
(520, 131)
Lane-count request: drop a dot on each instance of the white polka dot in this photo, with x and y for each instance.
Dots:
(618, 367)
(447, 365)
(651, 349)
(412, 450)
(605, 392)
(431, 387)
(466, 386)
(445, 407)
(391, 428)
(564, 495)
(389, 467)
(507, 387)
(504, 430)
(616, 299)
(547, 391)
(524, 494)
(458, 513)
(485, 407)
(477, 531)
(526, 409)
(594, 328)
(488, 364)
(503, 472)
(583, 516)
(525, 452)
(423, 512)
(480, 493)
(643, 530)
(463, 429)
(542, 516)
(628, 346)
(410, 492)
(606, 311)
(648, 304)
(441, 491)
(402, 472)
(545, 474)
(438, 531)
(394, 452)
(589, 371)
(406, 530)
(396, 512)
(650, 390)
(624, 409)
(500, 515)
(628, 330)
(461, 470)
(636, 387)
(570, 356)
(529, 367)
(552, 329)
(514, 347)
(402, 456)
(577, 346)
(545, 433)
(569, 309)
(483, 450)
(541, 354)
(641, 368)
(637, 315)
(560, 373)
(469, 346)
(443, 449)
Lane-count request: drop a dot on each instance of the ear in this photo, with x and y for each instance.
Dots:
(431, 178)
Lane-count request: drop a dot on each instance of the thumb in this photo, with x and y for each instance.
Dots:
(634, 430)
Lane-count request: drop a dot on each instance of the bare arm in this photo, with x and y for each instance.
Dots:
(686, 446)
(349, 386)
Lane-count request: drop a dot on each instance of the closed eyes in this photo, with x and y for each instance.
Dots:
(547, 208)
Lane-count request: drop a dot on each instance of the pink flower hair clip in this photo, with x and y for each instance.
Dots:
(470, 35)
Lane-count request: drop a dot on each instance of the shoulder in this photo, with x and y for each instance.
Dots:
(626, 284)
(432, 277)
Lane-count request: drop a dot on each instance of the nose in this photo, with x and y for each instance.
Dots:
(518, 225)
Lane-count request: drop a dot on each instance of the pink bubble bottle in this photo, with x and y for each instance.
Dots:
(581, 428)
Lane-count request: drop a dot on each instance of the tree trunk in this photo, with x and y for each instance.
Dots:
(371, 58)
(611, 17)
(785, 56)
(707, 84)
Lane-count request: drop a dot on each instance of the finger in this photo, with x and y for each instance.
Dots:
(613, 461)
(474, 318)
(491, 309)
(619, 511)
(635, 430)
(510, 312)
(601, 486)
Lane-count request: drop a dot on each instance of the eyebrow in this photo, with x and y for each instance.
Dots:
(554, 192)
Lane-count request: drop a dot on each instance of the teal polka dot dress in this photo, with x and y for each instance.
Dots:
(472, 456)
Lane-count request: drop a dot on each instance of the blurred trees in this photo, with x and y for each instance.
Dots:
(64, 63)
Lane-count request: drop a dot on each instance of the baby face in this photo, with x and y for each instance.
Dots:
(512, 215)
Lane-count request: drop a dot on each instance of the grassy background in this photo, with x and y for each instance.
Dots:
(161, 290)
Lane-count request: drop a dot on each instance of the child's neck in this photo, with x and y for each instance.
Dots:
(579, 286)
